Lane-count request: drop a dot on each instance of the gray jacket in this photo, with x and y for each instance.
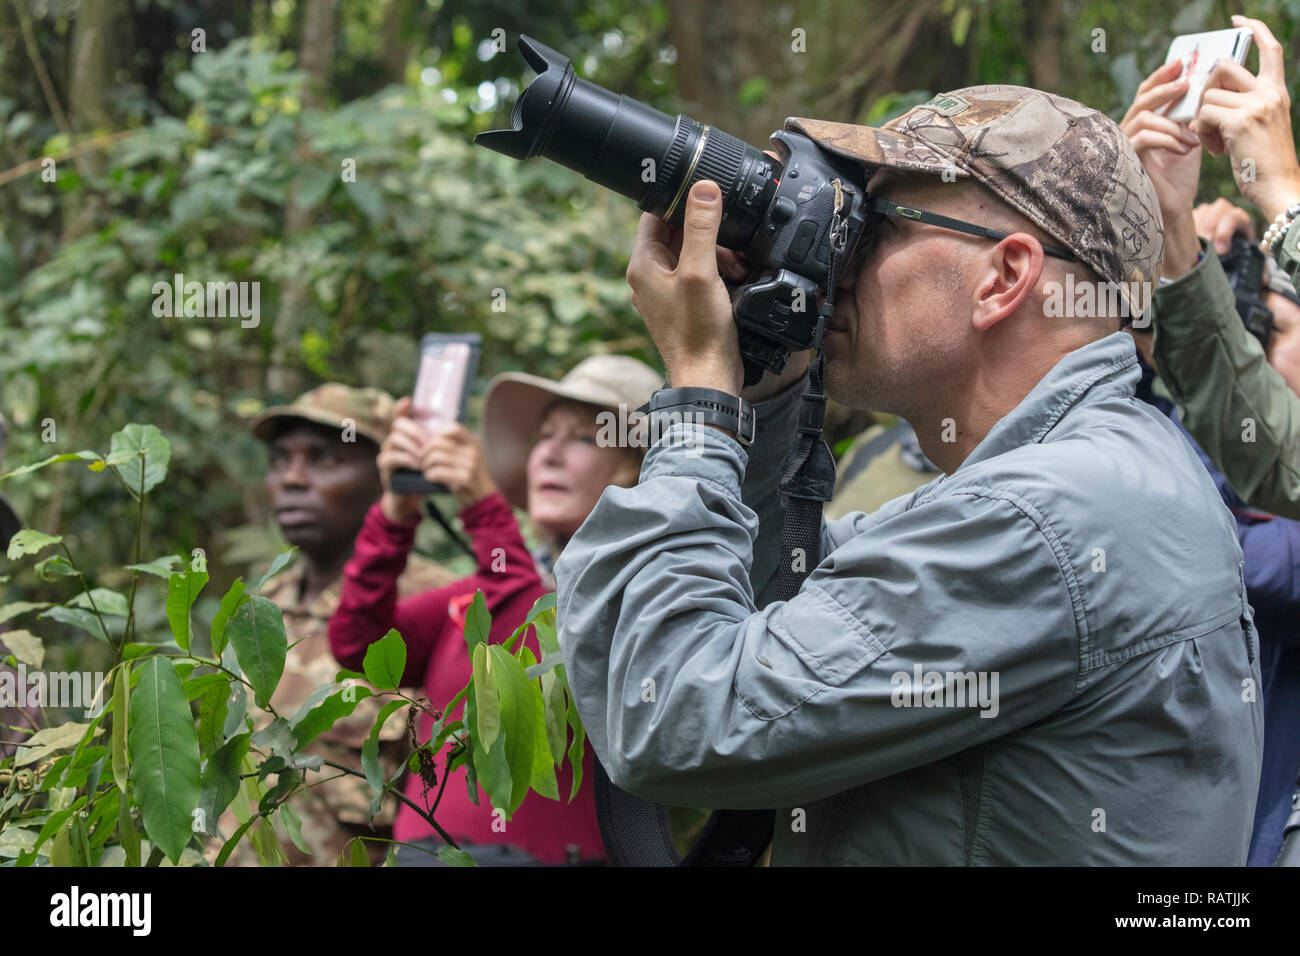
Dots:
(1045, 657)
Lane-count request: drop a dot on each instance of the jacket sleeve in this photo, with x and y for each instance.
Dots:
(1236, 405)
(368, 602)
(692, 695)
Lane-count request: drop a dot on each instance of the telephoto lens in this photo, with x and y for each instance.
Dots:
(633, 149)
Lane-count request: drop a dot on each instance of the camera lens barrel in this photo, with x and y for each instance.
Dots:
(634, 149)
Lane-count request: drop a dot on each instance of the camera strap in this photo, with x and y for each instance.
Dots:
(638, 832)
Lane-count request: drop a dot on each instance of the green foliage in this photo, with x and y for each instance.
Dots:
(154, 791)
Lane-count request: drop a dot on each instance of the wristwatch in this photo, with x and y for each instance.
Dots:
(706, 406)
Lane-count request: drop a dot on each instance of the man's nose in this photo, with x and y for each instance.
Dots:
(296, 473)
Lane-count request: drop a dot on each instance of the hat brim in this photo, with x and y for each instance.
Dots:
(874, 146)
(512, 412)
(263, 424)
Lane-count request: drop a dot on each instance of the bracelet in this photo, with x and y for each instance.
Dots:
(1277, 230)
(708, 406)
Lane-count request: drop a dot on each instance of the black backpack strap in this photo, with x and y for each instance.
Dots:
(637, 832)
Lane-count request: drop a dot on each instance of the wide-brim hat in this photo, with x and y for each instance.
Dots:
(368, 410)
(516, 401)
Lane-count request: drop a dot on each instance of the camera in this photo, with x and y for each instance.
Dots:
(1243, 264)
(780, 213)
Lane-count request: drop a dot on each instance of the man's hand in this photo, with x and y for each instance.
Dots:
(1219, 221)
(677, 288)
(1171, 155)
(1250, 117)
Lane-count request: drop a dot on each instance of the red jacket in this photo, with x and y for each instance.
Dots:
(433, 626)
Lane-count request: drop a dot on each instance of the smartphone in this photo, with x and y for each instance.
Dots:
(448, 362)
(1198, 53)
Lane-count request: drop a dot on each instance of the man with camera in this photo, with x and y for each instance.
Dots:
(1038, 657)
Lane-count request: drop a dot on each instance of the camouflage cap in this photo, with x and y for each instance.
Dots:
(370, 411)
(1067, 168)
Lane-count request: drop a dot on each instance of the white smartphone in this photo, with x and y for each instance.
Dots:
(1198, 53)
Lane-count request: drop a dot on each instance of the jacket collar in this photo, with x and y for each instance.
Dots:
(1106, 368)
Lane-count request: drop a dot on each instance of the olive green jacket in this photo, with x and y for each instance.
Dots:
(1234, 403)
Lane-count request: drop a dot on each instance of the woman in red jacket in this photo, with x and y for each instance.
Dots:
(546, 452)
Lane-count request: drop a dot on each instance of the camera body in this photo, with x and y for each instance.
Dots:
(776, 308)
(1243, 264)
(778, 212)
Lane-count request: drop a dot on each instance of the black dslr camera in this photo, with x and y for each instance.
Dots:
(778, 213)
(1243, 264)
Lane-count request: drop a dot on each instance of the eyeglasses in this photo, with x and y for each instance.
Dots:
(883, 207)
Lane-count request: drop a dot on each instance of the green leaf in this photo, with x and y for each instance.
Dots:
(121, 721)
(236, 708)
(212, 713)
(487, 705)
(158, 567)
(323, 708)
(276, 566)
(234, 594)
(30, 541)
(370, 764)
(66, 850)
(577, 746)
(556, 727)
(182, 588)
(164, 756)
(478, 623)
(85, 620)
(25, 647)
(390, 708)
(293, 826)
(52, 460)
(277, 737)
(54, 567)
(221, 777)
(50, 740)
(10, 611)
(521, 720)
(455, 856)
(547, 639)
(134, 444)
(385, 661)
(102, 600)
(256, 631)
(354, 853)
(127, 834)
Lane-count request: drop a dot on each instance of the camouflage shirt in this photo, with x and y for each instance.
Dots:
(336, 810)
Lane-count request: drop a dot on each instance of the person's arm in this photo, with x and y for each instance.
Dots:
(368, 603)
(1237, 406)
(694, 696)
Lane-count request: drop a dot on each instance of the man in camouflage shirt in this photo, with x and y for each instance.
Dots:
(322, 479)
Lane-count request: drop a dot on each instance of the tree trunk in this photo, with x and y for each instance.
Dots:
(284, 375)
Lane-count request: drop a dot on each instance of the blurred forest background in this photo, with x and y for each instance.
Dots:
(222, 160)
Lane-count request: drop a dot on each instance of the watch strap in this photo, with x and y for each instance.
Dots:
(707, 406)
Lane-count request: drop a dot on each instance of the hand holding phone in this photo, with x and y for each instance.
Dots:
(1199, 53)
(1249, 117)
(447, 366)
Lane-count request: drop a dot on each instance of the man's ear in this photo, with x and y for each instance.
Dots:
(1010, 276)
